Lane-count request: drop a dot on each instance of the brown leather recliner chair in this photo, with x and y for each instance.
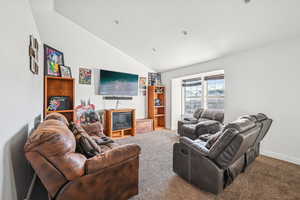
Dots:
(112, 175)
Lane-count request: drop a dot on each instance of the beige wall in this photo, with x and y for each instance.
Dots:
(264, 80)
(83, 49)
(21, 91)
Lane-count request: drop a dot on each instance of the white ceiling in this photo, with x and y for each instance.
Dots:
(215, 27)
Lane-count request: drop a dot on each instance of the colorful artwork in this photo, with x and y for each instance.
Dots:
(85, 76)
(59, 103)
(53, 105)
(53, 59)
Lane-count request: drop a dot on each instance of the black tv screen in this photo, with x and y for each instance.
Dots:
(118, 83)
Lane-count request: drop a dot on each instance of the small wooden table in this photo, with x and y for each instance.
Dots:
(144, 125)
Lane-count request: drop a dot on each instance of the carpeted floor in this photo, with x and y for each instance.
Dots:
(266, 179)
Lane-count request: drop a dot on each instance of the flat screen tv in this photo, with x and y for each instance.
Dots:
(118, 83)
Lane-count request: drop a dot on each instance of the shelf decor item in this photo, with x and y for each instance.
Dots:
(154, 79)
(52, 60)
(157, 102)
(85, 76)
(65, 71)
(34, 55)
(85, 113)
(59, 103)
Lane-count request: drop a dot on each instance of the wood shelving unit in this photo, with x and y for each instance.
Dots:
(157, 112)
(59, 86)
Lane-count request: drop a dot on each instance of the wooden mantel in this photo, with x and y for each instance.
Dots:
(121, 132)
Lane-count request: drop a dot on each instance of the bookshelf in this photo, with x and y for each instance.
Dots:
(59, 86)
(157, 112)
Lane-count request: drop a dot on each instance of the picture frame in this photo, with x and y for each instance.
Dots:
(85, 76)
(142, 83)
(143, 86)
(65, 71)
(33, 55)
(53, 59)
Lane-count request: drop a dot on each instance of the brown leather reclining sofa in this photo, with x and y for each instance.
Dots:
(212, 166)
(67, 175)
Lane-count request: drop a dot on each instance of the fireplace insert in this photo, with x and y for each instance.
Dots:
(121, 120)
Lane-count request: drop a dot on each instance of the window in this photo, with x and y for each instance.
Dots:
(192, 95)
(215, 92)
(203, 92)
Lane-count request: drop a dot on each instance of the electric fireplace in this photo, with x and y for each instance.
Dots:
(121, 120)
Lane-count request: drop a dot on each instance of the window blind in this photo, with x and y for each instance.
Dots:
(191, 82)
(214, 77)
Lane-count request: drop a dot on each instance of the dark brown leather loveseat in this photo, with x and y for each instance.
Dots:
(204, 121)
(214, 164)
(67, 175)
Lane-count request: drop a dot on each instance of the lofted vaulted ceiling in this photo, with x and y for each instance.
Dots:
(167, 34)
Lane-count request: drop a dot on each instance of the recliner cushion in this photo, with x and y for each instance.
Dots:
(222, 142)
(197, 113)
(241, 125)
(237, 147)
(260, 117)
(207, 127)
(212, 114)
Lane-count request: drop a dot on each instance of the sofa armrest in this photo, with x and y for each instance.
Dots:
(180, 124)
(197, 145)
(190, 120)
(120, 181)
(112, 157)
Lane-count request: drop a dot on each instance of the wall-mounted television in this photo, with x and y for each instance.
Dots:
(118, 83)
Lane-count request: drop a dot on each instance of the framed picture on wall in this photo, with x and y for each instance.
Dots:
(33, 55)
(65, 71)
(52, 60)
(143, 86)
(142, 83)
(85, 76)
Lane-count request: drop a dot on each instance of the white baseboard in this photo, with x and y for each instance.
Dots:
(281, 156)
